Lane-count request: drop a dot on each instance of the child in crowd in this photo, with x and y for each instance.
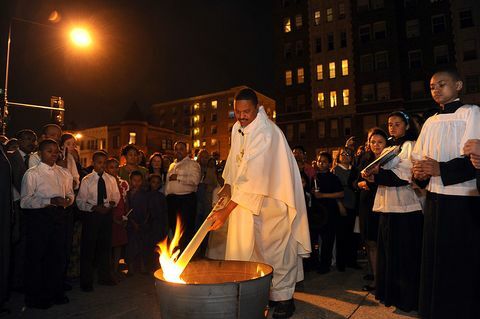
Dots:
(97, 197)
(46, 192)
(451, 239)
(155, 166)
(157, 208)
(327, 188)
(119, 232)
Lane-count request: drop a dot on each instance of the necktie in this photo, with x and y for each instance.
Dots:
(26, 158)
(101, 190)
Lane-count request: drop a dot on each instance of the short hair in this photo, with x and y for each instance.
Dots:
(152, 176)
(99, 154)
(377, 131)
(135, 173)
(128, 148)
(112, 160)
(47, 126)
(247, 95)
(327, 155)
(180, 142)
(23, 133)
(65, 137)
(45, 143)
(299, 147)
(450, 71)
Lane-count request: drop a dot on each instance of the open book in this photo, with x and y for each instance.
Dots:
(387, 155)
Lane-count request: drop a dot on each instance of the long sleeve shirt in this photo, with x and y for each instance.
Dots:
(42, 182)
(88, 194)
(188, 177)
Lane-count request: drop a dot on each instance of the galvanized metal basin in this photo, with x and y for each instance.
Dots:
(216, 289)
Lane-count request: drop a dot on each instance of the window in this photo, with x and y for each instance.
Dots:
(469, 50)
(438, 23)
(231, 114)
(346, 96)
(287, 50)
(331, 70)
(347, 126)
(341, 10)
(329, 14)
(196, 106)
(196, 131)
(290, 132)
(333, 98)
(366, 63)
(369, 121)
(417, 90)
(466, 19)
(412, 28)
(440, 54)
(379, 30)
(213, 142)
(334, 128)
(288, 78)
(368, 93)
(301, 102)
(319, 72)
(321, 100)
(299, 48)
(364, 32)
(321, 129)
(415, 59)
(288, 104)
(344, 67)
(287, 25)
(132, 138)
(378, 4)
(330, 43)
(300, 76)
(472, 83)
(316, 17)
(343, 39)
(115, 142)
(381, 60)
(213, 117)
(302, 130)
(213, 129)
(298, 21)
(214, 104)
(383, 91)
(363, 5)
(318, 45)
(196, 143)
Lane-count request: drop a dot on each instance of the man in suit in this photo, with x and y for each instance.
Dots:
(27, 140)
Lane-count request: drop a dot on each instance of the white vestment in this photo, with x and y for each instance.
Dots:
(270, 223)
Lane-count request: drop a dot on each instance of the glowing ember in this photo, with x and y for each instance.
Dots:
(168, 257)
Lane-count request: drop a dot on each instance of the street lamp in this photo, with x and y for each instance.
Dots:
(79, 36)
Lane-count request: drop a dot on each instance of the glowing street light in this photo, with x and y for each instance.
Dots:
(81, 37)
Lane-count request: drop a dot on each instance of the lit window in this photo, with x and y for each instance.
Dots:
(196, 143)
(288, 78)
(333, 98)
(346, 96)
(196, 106)
(287, 25)
(331, 70)
(196, 118)
(319, 72)
(196, 131)
(341, 10)
(329, 14)
(316, 17)
(344, 67)
(214, 104)
(300, 75)
(321, 100)
(298, 21)
(133, 138)
(213, 142)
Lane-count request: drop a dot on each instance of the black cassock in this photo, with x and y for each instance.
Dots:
(5, 223)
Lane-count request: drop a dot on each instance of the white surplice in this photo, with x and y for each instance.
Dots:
(270, 222)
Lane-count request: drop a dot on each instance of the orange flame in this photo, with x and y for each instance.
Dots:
(168, 255)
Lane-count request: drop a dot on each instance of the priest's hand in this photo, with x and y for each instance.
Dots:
(220, 216)
(475, 159)
(431, 167)
(472, 147)
(418, 171)
(225, 191)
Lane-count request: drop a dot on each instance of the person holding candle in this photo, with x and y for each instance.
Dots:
(46, 192)
(97, 197)
(266, 211)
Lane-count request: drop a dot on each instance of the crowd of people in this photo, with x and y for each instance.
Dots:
(416, 212)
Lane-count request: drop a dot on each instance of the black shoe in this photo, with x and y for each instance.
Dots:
(108, 282)
(323, 270)
(38, 304)
(62, 300)
(284, 309)
(368, 288)
(86, 288)
(368, 277)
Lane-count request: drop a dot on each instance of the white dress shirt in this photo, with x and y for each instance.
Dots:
(87, 196)
(188, 177)
(42, 182)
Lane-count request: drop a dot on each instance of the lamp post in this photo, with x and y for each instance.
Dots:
(79, 37)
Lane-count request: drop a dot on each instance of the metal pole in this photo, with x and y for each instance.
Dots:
(5, 96)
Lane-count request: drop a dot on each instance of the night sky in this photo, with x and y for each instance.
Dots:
(144, 51)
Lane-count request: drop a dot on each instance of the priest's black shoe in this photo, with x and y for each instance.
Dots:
(284, 309)
(61, 300)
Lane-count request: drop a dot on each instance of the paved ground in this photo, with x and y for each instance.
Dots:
(331, 296)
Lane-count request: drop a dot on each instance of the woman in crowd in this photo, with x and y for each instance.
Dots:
(155, 166)
(131, 154)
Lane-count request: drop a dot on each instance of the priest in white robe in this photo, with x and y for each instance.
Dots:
(267, 213)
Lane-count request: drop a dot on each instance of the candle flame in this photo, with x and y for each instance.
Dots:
(169, 255)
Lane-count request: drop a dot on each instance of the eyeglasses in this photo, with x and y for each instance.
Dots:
(345, 154)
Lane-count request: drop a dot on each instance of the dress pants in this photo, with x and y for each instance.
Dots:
(96, 247)
(45, 254)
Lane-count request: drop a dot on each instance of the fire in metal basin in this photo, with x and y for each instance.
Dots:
(216, 289)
